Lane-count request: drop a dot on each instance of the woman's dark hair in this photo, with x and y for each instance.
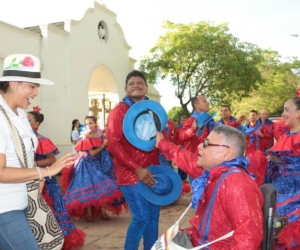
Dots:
(296, 101)
(91, 117)
(74, 123)
(73, 126)
(38, 117)
(4, 86)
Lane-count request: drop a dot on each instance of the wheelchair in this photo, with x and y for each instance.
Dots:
(272, 223)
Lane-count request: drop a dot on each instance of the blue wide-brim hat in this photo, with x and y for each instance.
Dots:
(166, 190)
(141, 122)
(202, 121)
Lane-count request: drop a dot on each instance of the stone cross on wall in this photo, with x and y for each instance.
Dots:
(95, 108)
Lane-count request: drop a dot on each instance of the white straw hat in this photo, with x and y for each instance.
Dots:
(23, 68)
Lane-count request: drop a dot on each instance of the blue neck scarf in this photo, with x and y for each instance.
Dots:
(221, 122)
(195, 114)
(200, 183)
(129, 102)
(249, 130)
(267, 122)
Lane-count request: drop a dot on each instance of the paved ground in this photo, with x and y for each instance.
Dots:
(106, 235)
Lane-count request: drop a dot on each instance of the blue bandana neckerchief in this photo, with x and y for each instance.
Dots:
(200, 183)
(267, 122)
(179, 126)
(221, 122)
(195, 114)
(249, 130)
(129, 102)
(232, 119)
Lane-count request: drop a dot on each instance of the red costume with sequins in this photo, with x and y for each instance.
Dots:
(267, 141)
(187, 136)
(253, 139)
(127, 160)
(237, 206)
(126, 157)
(168, 131)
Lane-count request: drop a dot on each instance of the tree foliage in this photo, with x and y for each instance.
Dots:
(175, 113)
(281, 82)
(203, 58)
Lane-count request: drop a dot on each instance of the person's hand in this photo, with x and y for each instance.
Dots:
(241, 119)
(195, 125)
(275, 159)
(64, 161)
(159, 136)
(269, 150)
(261, 134)
(145, 176)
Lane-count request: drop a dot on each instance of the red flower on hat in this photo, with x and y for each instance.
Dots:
(28, 62)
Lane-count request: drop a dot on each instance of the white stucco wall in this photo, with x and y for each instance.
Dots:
(74, 57)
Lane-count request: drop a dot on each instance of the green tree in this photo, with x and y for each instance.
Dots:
(202, 58)
(281, 80)
(175, 113)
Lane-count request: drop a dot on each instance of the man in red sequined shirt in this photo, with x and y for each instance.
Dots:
(225, 197)
(131, 163)
(187, 134)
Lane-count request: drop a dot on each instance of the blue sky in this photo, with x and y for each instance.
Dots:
(266, 23)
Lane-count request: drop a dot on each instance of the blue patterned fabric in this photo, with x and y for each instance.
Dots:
(91, 181)
(285, 177)
(59, 209)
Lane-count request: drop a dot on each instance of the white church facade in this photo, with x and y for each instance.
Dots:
(87, 59)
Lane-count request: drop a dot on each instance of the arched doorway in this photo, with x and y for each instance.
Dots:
(102, 94)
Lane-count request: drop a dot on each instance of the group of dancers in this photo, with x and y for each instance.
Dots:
(89, 187)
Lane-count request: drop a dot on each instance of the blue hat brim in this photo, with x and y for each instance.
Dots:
(130, 117)
(202, 123)
(162, 200)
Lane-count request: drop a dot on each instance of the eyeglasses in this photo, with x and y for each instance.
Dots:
(206, 144)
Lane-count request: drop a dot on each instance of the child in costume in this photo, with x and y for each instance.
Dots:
(92, 186)
(45, 156)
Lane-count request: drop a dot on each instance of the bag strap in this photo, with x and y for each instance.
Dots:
(17, 141)
(183, 214)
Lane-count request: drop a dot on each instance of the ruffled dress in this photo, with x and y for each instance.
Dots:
(74, 237)
(91, 182)
(286, 179)
(258, 166)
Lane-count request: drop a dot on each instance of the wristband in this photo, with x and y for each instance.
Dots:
(48, 171)
(40, 173)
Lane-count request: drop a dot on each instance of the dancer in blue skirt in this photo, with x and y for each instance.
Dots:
(45, 156)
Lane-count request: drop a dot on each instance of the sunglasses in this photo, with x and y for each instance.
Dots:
(206, 144)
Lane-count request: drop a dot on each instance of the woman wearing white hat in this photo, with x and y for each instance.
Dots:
(18, 86)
